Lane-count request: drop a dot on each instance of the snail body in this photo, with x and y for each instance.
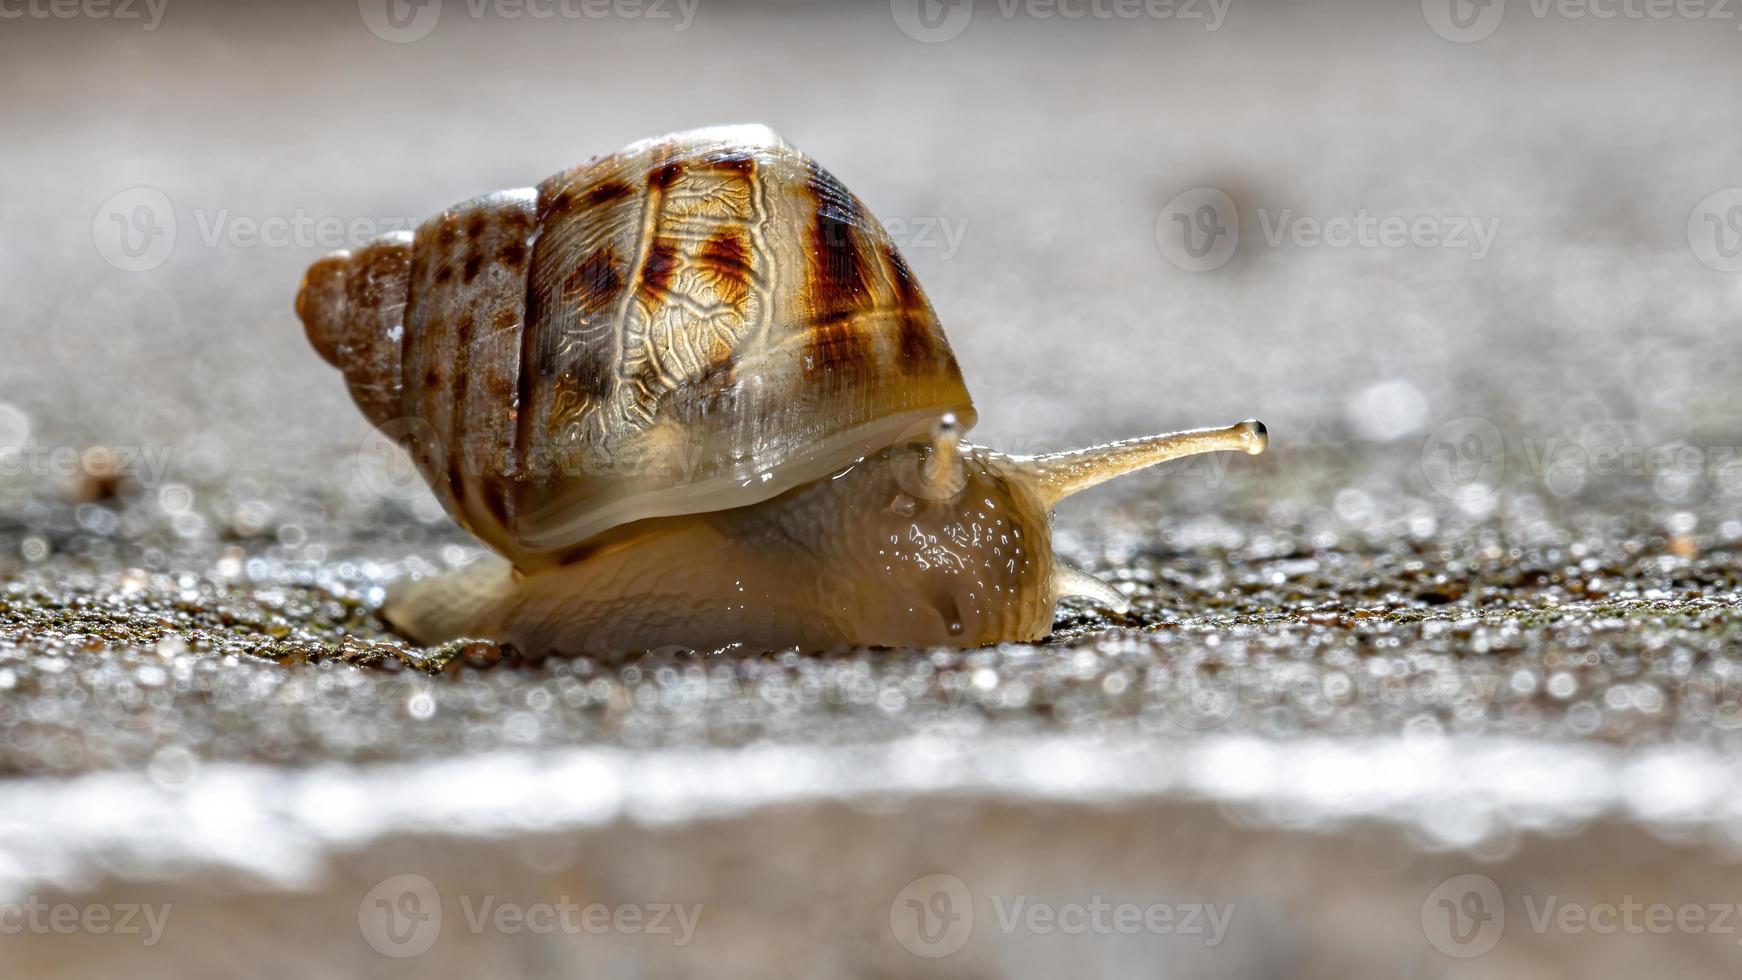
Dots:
(692, 395)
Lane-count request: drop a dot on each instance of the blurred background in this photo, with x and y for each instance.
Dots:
(1457, 656)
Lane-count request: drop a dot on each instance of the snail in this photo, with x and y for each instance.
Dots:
(692, 395)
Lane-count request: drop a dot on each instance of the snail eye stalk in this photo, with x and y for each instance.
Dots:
(1055, 476)
(942, 474)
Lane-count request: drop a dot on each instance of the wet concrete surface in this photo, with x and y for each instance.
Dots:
(1380, 617)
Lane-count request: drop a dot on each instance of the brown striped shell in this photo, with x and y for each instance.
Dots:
(697, 322)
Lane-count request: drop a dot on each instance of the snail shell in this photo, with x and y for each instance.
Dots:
(693, 394)
(695, 323)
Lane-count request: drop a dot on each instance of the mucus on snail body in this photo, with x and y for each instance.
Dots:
(694, 396)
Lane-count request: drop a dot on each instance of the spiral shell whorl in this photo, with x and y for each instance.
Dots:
(695, 323)
(426, 329)
(352, 305)
(464, 324)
